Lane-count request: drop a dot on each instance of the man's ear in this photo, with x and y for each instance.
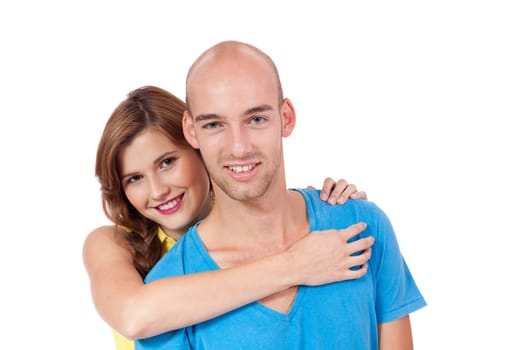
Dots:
(287, 117)
(188, 127)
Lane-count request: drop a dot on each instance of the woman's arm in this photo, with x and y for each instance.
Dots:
(138, 310)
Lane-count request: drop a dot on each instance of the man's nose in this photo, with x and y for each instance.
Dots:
(241, 143)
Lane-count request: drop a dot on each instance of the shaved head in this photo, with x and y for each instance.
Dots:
(230, 57)
(237, 116)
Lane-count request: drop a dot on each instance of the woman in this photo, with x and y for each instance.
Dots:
(154, 187)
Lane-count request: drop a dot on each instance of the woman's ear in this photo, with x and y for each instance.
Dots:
(188, 127)
(287, 117)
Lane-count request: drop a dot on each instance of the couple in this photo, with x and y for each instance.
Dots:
(237, 117)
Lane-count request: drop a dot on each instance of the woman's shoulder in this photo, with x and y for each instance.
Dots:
(102, 235)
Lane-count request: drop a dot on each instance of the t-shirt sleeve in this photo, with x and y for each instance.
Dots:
(397, 294)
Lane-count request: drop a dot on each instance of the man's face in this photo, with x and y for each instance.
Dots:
(237, 125)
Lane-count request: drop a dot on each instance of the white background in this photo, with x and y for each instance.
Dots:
(419, 103)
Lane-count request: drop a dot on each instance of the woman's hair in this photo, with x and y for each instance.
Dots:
(147, 107)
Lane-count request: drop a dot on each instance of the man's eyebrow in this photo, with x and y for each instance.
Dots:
(205, 117)
(250, 111)
(258, 109)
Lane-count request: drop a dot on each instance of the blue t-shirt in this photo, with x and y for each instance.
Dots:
(342, 315)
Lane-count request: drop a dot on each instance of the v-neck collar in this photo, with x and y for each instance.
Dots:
(212, 265)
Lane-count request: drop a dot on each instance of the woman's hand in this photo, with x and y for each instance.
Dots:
(339, 192)
(326, 256)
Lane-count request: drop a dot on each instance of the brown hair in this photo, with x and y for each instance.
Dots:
(144, 108)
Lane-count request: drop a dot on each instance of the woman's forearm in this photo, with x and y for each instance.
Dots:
(181, 301)
(137, 310)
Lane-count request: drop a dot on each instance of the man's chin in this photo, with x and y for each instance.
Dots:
(239, 192)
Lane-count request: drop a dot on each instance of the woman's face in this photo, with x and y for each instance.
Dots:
(164, 182)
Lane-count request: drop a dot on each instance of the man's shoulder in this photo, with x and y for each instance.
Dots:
(323, 215)
(172, 263)
(313, 200)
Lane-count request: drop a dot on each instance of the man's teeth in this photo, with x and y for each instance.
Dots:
(241, 168)
(169, 205)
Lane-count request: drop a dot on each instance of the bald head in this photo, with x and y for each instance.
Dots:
(228, 59)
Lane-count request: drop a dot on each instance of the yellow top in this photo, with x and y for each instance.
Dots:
(121, 342)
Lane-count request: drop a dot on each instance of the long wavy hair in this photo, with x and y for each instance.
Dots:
(147, 107)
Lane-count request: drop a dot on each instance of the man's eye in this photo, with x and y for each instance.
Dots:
(212, 125)
(257, 120)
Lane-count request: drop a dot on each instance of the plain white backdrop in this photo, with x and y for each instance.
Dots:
(419, 103)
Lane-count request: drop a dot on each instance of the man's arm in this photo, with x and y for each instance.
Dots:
(396, 335)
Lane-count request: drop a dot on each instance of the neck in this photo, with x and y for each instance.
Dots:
(177, 232)
(277, 219)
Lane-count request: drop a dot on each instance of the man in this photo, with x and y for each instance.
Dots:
(237, 117)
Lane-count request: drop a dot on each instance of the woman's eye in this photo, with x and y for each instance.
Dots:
(167, 162)
(133, 179)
